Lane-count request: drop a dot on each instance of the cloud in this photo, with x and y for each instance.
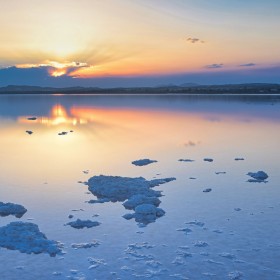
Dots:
(194, 40)
(57, 69)
(214, 66)
(39, 76)
(248, 65)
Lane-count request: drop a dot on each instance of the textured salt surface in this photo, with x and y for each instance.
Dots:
(258, 176)
(142, 162)
(136, 192)
(79, 224)
(94, 243)
(7, 209)
(27, 238)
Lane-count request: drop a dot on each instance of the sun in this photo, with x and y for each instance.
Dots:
(57, 72)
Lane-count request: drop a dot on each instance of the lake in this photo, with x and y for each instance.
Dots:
(216, 224)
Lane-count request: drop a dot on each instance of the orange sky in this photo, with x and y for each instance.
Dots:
(89, 39)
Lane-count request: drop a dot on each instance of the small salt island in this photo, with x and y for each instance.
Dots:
(143, 162)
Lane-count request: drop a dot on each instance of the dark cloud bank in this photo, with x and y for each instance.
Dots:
(40, 77)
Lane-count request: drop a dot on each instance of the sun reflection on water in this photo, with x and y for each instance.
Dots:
(58, 115)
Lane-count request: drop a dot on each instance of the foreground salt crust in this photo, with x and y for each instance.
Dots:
(7, 209)
(136, 192)
(27, 238)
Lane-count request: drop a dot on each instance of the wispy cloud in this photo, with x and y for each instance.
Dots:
(214, 66)
(248, 65)
(194, 40)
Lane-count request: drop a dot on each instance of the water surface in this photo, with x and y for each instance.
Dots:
(41, 171)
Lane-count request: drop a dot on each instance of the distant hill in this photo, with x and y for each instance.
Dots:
(187, 88)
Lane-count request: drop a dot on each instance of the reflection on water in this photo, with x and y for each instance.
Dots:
(57, 116)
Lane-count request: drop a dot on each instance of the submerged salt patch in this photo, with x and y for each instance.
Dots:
(142, 162)
(78, 224)
(16, 210)
(94, 263)
(94, 243)
(235, 275)
(27, 238)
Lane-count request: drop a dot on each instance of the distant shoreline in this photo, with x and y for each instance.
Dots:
(247, 89)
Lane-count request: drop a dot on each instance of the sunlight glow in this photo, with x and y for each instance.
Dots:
(58, 116)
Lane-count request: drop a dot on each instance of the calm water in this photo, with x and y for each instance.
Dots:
(41, 171)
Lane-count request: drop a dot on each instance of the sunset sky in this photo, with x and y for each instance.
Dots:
(139, 42)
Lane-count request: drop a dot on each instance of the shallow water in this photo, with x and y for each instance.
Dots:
(41, 172)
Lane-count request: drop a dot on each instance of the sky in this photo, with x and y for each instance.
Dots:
(112, 43)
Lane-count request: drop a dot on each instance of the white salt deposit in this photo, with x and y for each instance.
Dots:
(83, 223)
(7, 209)
(145, 214)
(200, 244)
(142, 162)
(139, 199)
(137, 192)
(94, 263)
(259, 176)
(94, 243)
(228, 256)
(235, 275)
(195, 223)
(27, 238)
(116, 188)
(185, 230)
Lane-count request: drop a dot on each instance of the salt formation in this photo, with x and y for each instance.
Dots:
(62, 133)
(186, 160)
(136, 192)
(208, 159)
(7, 209)
(94, 243)
(83, 223)
(142, 162)
(259, 176)
(27, 238)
